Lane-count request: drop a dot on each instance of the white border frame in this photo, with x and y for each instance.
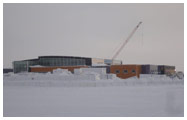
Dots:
(83, 1)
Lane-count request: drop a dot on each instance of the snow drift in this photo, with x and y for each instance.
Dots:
(89, 94)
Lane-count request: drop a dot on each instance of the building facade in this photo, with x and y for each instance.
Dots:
(7, 70)
(43, 69)
(149, 69)
(157, 69)
(50, 62)
(166, 69)
(126, 71)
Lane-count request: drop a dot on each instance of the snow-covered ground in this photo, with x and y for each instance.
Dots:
(56, 95)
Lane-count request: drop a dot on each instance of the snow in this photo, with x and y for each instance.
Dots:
(36, 66)
(100, 64)
(89, 94)
(93, 70)
(61, 72)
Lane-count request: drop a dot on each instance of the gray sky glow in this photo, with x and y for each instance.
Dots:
(94, 30)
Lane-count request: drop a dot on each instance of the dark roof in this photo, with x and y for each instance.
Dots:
(54, 57)
(30, 60)
(27, 60)
(63, 57)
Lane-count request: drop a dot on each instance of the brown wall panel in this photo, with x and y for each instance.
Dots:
(129, 68)
(50, 69)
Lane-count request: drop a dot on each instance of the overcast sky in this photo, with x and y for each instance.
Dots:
(95, 30)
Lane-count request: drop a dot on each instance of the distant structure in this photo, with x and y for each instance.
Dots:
(7, 70)
(48, 63)
(126, 71)
(157, 69)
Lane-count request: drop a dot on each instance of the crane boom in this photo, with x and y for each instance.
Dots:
(126, 41)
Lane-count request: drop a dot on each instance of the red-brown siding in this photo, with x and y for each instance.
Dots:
(129, 68)
(50, 69)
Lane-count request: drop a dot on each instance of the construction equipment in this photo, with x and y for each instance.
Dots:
(126, 41)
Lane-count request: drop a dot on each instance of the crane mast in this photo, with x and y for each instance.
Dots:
(126, 41)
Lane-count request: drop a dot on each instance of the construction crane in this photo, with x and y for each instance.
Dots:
(126, 41)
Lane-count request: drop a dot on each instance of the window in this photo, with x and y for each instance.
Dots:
(125, 71)
(133, 71)
(117, 71)
(20, 66)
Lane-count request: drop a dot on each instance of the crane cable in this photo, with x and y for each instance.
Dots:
(142, 34)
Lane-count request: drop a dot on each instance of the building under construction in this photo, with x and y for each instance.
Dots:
(49, 63)
(45, 64)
